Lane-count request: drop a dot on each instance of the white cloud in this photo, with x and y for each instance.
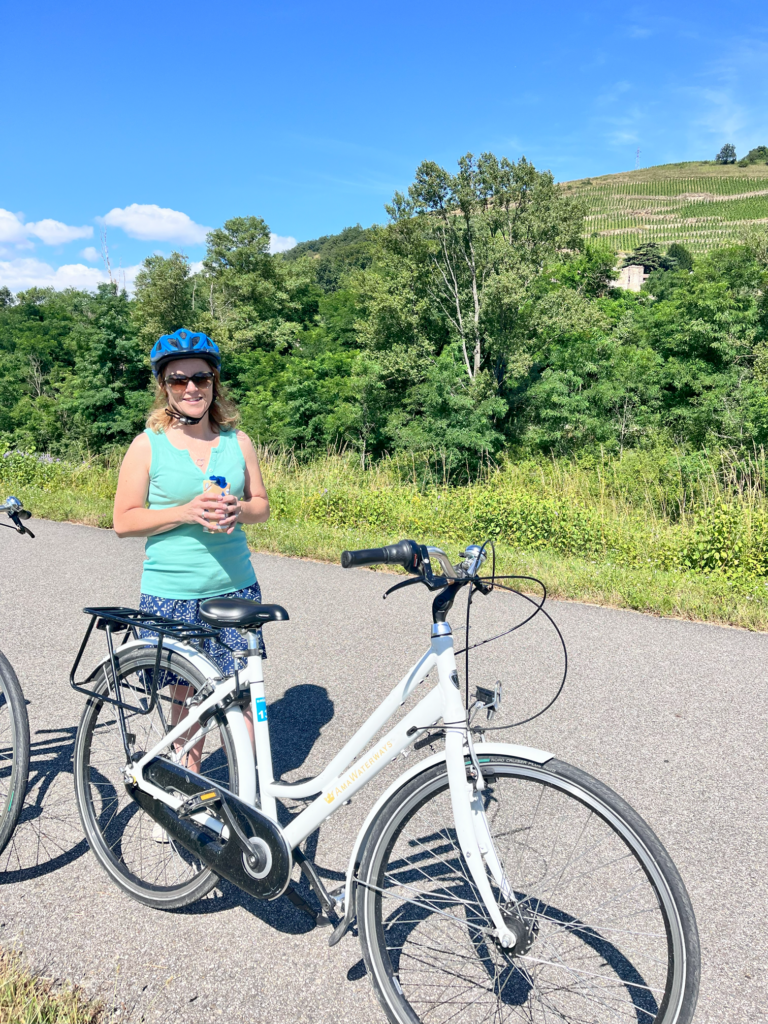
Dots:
(280, 243)
(53, 232)
(20, 274)
(50, 232)
(154, 223)
(12, 228)
(196, 267)
(91, 254)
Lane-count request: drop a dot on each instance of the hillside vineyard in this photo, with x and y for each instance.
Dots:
(701, 205)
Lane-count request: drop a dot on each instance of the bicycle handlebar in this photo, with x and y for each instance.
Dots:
(16, 512)
(406, 554)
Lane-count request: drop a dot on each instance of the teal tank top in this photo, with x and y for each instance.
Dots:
(187, 563)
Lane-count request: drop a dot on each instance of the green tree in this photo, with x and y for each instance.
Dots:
(105, 396)
(727, 154)
(492, 218)
(36, 351)
(254, 299)
(758, 155)
(649, 256)
(164, 297)
(72, 372)
(682, 256)
(590, 272)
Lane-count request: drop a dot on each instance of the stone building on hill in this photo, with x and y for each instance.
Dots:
(630, 278)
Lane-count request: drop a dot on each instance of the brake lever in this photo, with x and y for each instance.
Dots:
(404, 583)
(18, 525)
(426, 576)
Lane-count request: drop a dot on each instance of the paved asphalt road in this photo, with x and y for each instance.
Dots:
(672, 714)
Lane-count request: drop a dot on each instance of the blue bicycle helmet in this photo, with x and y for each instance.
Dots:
(183, 344)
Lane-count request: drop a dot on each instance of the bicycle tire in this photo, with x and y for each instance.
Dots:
(14, 750)
(425, 933)
(142, 861)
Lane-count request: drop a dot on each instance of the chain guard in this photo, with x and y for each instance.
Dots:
(229, 857)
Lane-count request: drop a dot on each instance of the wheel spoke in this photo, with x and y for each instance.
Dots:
(596, 942)
(134, 849)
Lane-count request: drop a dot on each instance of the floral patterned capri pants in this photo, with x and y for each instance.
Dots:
(189, 611)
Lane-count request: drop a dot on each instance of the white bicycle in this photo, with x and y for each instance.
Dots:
(489, 882)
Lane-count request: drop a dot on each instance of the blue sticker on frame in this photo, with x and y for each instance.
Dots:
(261, 709)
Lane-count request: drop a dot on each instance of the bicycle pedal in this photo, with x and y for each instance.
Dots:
(198, 802)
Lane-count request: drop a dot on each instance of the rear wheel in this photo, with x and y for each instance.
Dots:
(604, 925)
(14, 750)
(132, 848)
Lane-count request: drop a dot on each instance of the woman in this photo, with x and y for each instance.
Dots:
(190, 437)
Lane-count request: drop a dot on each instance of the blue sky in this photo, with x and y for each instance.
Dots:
(158, 120)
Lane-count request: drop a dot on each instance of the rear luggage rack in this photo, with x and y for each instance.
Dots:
(130, 621)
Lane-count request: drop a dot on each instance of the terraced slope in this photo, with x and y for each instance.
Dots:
(701, 204)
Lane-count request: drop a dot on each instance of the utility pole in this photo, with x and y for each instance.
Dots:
(637, 159)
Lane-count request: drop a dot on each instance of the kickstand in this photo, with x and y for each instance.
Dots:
(310, 873)
(301, 904)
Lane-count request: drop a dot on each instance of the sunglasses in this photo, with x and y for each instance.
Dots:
(179, 381)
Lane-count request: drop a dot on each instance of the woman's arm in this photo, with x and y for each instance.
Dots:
(131, 517)
(254, 507)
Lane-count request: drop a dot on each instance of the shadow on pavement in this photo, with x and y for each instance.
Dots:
(295, 722)
(48, 835)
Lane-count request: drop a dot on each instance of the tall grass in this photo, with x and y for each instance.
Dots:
(671, 532)
(703, 512)
(699, 512)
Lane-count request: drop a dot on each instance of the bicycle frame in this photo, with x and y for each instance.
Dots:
(339, 782)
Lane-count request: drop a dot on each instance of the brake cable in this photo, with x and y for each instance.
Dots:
(538, 606)
(486, 585)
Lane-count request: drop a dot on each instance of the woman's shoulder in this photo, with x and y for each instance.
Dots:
(139, 453)
(142, 442)
(245, 443)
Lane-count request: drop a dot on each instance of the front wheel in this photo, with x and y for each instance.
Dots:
(14, 750)
(605, 927)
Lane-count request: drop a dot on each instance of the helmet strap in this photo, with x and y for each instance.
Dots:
(186, 420)
(190, 421)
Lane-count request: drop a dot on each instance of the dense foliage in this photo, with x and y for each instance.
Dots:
(758, 155)
(477, 321)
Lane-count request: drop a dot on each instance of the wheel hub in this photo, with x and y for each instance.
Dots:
(259, 861)
(523, 926)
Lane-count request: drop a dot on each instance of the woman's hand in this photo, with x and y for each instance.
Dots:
(229, 506)
(205, 510)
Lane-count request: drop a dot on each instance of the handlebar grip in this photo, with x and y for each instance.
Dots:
(406, 553)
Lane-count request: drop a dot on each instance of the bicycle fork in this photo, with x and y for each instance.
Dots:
(472, 828)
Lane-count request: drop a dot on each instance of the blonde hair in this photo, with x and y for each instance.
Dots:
(222, 412)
